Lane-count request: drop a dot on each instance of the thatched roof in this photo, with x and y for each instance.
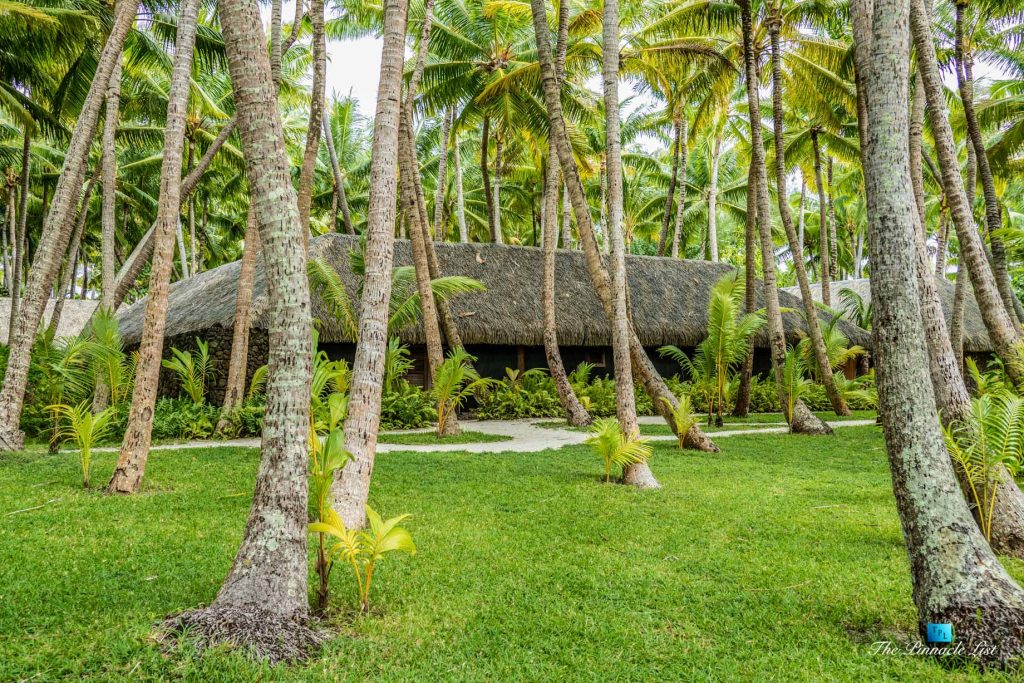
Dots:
(669, 297)
(73, 318)
(975, 335)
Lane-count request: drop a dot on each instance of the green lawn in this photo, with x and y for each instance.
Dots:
(752, 421)
(779, 558)
(431, 438)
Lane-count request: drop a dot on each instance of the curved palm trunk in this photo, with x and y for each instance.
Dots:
(131, 462)
(801, 420)
(666, 215)
(55, 233)
(339, 181)
(263, 601)
(238, 365)
(642, 366)
(810, 310)
(316, 113)
(1001, 328)
(956, 577)
(742, 405)
(993, 213)
(352, 487)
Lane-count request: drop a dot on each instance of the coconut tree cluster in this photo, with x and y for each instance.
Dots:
(805, 142)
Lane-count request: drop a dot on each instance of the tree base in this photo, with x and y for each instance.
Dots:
(990, 632)
(806, 422)
(580, 418)
(13, 440)
(697, 440)
(450, 427)
(640, 476)
(1008, 517)
(260, 634)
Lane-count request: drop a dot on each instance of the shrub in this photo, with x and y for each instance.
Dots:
(616, 448)
(84, 428)
(192, 369)
(177, 418)
(406, 407)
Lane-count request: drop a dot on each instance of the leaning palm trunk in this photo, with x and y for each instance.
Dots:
(238, 365)
(664, 400)
(993, 212)
(800, 419)
(666, 215)
(351, 489)
(1005, 336)
(742, 405)
(339, 181)
(263, 603)
(131, 463)
(810, 310)
(956, 578)
(68, 280)
(55, 233)
(316, 113)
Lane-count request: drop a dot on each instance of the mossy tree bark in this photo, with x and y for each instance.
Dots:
(316, 115)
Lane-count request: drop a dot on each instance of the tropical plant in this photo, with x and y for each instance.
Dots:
(327, 455)
(397, 363)
(114, 369)
(993, 380)
(616, 448)
(85, 429)
(454, 382)
(794, 379)
(258, 384)
(855, 308)
(363, 550)
(193, 370)
(992, 437)
(683, 418)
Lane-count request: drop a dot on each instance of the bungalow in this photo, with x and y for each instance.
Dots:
(501, 326)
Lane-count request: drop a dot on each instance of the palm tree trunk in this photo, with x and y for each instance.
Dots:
(941, 235)
(956, 326)
(11, 227)
(442, 177)
(19, 239)
(108, 216)
(339, 182)
(238, 365)
(681, 202)
(644, 370)
(266, 588)
(131, 463)
(485, 175)
(801, 420)
(823, 250)
(68, 281)
(351, 489)
(956, 577)
(497, 236)
(55, 234)
(1001, 328)
(810, 310)
(566, 216)
(316, 113)
(460, 197)
(833, 238)
(802, 217)
(993, 213)
(716, 152)
(182, 252)
(666, 215)
(742, 405)
(193, 249)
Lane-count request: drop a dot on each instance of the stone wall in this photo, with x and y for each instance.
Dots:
(219, 340)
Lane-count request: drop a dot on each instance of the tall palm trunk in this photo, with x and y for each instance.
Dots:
(485, 175)
(643, 369)
(18, 236)
(833, 227)
(716, 153)
(316, 113)
(993, 213)
(131, 463)
(742, 404)
(666, 216)
(55, 233)
(266, 588)
(496, 235)
(941, 235)
(442, 178)
(801, 222)
(956, 326)
(956, 577)
(238, 365)
(810, 309)
(625, 401)
(460, 196)
(681, 202)
(339, 181)
(823, 250)
(108, 215)
(1001, 328)
(801, 420)
(193, 249)
(567, 217)
(351, 489)
(67, 283)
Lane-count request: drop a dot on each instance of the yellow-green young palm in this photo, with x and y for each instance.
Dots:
(683, 418)
(794, 380)
(362, 550)
(79, 424)
(192, 369)
(616, 448)
(991, 437)
(454, 382)
(326, 456)
(837, 345)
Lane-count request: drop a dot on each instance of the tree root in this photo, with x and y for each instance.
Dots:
(806, 422)
(990, 633)
(262, 635)
(640, 476)
(1008, 517)
(697, 440)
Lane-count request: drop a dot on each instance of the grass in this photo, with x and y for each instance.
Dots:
(779, 558)
(431, 438)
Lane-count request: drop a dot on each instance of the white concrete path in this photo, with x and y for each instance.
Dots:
(526, 437)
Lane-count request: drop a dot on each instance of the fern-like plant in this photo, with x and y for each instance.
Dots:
(79, 424)
(193, 370)
(455, 381)
(991, 437)
(683, 418)
(616, 448)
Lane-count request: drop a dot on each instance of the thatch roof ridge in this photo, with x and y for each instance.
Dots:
(669, 297)
(976, 339)
(73, 318)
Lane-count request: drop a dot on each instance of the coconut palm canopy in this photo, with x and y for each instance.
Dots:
(669, 298)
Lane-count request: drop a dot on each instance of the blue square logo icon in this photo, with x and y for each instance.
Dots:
(939, 633)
